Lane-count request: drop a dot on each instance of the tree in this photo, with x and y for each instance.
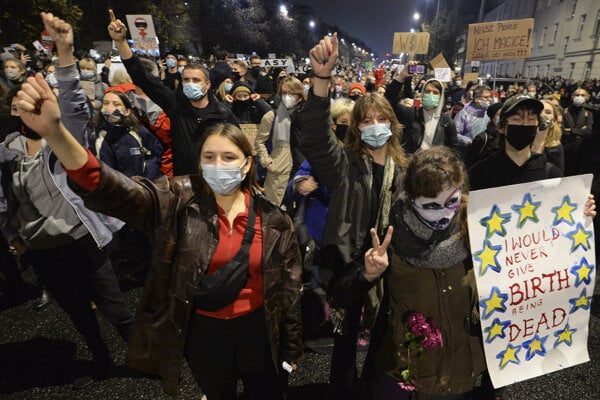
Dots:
(21, 23)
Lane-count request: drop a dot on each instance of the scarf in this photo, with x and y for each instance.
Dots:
(423, 247)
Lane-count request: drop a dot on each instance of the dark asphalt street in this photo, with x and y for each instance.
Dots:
(40, 351)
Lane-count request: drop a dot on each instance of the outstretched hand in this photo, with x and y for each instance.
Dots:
(116, 28)
(38, 106)
(324, 55)
(376, 258)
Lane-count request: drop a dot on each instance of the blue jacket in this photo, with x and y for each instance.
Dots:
(120, 148)
(316, 204)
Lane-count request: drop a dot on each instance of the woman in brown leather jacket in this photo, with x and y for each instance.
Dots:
(196, 224)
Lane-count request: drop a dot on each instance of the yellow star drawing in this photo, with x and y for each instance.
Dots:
(583, 301)
(527, 210)
(494, 223)
(487, 256)
(535, 346)
(582, 272)
(509, 355)
(580, 238)
(563, 212)
(496, 330)
(494, 303)
(565, 336)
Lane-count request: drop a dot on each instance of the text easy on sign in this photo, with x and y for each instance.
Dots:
(535, 267)
(500, 40)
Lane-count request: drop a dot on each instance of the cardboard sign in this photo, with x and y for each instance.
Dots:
(411, 43)
(500, 40)
(535, 267)
(469, 77)
(439, 61)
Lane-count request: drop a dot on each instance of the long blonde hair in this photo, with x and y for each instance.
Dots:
(555, 130)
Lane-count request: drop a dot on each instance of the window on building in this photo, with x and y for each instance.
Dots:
(566, 44)
(581, 26)
(587, 70)
(597, 24)
(571, 70)
(548, 70)
(543, 36)
(555, 33)
(574, 7)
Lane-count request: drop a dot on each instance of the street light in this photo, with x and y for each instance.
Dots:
(283, 11)
(311, 23)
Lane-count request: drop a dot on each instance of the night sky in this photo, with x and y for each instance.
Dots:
(373, 21)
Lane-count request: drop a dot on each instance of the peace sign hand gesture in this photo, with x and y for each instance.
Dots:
(376, 258)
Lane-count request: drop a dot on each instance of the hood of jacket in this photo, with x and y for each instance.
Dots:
(440, 106)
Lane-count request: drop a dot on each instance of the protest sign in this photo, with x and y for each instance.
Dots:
(141, 28)
(533, 258)
(500, 40)
(411, 43)
(443, 74)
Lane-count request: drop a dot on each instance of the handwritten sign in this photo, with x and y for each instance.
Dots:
(412, 43)
(500, 40)
(533, 257)
(443, 74)
(142, 32)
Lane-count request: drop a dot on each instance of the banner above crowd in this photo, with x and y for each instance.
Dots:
(500, 40)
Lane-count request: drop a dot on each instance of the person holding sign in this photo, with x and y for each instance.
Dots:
(427, 126)
(363, 177)
(227, 269)
(520, 125)
(431, 275)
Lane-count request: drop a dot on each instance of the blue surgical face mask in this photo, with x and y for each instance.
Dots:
(180, 69)
(87, 75)
(51, 79)
(228, 87)
(223, 179)
(171, 63)
(376, 135)
(193, 91)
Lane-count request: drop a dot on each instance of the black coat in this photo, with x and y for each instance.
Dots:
(188, 123)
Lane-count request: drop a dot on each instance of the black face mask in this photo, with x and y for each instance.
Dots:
(520, 136)
(255, 72)
(29, 133)
(355, 97)
(235, 76)
(340, 131)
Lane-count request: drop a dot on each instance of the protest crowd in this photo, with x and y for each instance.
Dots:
(262, 209)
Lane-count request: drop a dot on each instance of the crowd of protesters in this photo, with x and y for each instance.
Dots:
(181, 170)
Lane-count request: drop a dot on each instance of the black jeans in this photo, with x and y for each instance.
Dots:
(221, 351)
(76, 274)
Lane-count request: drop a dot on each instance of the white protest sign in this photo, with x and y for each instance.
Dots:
(534, 262)
(142, 32)
(443, 74)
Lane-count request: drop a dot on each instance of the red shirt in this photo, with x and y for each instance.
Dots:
(230, 241)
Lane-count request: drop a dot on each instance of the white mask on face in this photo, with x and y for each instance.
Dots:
(439, 212)
(289, 100)
(578, 101)
(223, 179)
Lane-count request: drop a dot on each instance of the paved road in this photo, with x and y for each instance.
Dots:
(38, 349)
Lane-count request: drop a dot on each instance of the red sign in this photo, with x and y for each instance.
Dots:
(47, 40)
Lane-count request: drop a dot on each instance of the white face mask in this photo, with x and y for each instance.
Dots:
(289, 100)
(223, 179)
(578, 101)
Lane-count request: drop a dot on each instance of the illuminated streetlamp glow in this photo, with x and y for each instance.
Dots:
(416, 16)
(283, 10)
(311, 24)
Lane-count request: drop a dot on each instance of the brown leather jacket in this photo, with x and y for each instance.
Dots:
(180, 216)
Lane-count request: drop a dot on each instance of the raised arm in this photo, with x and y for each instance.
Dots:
(152, 86)
(38, 108)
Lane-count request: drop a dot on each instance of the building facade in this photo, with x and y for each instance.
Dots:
(565, 39)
